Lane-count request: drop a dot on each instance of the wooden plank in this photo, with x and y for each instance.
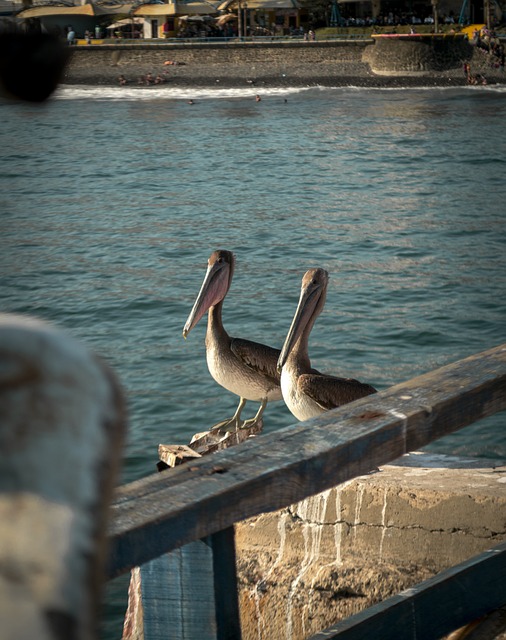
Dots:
(191, 592)
(172, 455)
(178, 601)
(225, 584)
(435, 607)
(162, 512)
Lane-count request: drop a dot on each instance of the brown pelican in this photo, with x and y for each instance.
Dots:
(245, 368)
(306, 391)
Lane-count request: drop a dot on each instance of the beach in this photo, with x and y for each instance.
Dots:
(183, 67)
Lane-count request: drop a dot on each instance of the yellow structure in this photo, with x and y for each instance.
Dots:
(82, 17)
(468, 31)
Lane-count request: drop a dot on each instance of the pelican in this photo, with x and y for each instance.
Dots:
(306, 391)
(245, 368)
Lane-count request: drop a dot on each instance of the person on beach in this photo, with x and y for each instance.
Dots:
(71, 36)
(258, 98)
(122, 80)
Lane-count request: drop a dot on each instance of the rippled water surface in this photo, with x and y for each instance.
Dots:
(112, 200)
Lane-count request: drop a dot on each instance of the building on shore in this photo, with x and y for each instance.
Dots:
(237, 18)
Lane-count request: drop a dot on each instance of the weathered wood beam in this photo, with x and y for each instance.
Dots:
(164, 511)
(433, 608)
(192, 592)
(226, 588)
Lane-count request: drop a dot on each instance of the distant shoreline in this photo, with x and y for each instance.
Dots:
(270, 82)
(201, 68)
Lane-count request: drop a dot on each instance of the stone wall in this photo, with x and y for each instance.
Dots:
(402, 61)
(417, 55)
(297, 52)
(226, 60)
(304, 568)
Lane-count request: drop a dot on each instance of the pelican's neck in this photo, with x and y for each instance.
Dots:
(215, 328)
(299, 355)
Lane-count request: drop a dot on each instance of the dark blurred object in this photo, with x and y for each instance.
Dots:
(31, 64)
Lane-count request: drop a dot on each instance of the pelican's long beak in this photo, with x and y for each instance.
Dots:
(213, 289)
(308, 302)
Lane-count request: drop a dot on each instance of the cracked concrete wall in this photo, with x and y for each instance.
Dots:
(303, 568)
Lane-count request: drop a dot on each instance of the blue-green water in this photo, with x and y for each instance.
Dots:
(112, 200)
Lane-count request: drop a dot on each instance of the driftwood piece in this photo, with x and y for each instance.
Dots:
(62, 422)
(203, 443)
(173, 454)
(214, 440)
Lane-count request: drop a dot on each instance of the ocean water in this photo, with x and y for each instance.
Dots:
(112, 200)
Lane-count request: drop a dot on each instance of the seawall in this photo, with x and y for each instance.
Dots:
(210, 63)
(417, 54)
(275, 64)
(306, 567)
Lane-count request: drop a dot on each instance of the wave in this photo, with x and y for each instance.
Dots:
(79, 92)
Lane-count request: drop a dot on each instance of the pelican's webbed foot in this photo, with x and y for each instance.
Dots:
(233, 423)
(248, 424)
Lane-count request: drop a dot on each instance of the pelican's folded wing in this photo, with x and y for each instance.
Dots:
(331, 392)
(259, 357)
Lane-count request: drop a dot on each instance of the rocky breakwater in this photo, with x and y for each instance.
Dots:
(417, 55)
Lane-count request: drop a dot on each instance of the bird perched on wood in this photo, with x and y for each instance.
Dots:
(306, 391)
(241, 366)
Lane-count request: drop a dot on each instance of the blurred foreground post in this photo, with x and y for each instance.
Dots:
(31, 64)
(62, 422)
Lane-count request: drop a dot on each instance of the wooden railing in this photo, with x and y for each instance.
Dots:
(202, 500)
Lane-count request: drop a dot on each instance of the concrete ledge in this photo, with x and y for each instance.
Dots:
(406, 55)
(332, 555)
